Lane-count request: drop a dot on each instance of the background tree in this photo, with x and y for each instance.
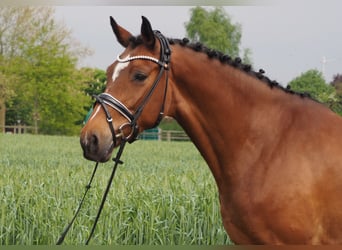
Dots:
(337, 84)
(95, 84)
(312, 82)
(41, 56)
(215, 29)
(11, 25)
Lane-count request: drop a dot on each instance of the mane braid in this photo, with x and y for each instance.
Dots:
(226, 59)
(236, 63)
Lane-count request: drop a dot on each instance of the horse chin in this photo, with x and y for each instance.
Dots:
(99, 153)
(100, 157)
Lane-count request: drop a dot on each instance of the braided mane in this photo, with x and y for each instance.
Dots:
(226, 59)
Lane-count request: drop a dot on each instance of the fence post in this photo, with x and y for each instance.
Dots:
(2, 116)
(159, 134)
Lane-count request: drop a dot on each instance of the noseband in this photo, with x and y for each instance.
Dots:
(106, 99)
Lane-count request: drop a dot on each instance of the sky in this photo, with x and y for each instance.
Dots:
(286, 38)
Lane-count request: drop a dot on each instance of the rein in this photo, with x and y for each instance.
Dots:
(117, 161)
(105, 99)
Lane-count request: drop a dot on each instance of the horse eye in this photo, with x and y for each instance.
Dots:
(140, 77)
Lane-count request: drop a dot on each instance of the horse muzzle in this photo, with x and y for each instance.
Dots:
(99, 146)
(96, 147)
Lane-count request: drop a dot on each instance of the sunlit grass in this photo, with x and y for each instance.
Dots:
(163, 194)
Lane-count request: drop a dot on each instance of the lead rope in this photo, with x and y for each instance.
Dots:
(117, 161)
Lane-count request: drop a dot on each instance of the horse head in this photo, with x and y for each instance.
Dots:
(136, 93)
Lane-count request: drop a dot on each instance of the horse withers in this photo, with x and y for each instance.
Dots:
(276, 155)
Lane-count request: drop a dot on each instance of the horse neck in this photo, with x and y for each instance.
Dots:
(219, 106)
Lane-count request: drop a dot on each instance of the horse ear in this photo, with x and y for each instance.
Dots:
(122, 35)
(147, 33)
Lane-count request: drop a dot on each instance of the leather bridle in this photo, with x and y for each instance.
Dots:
(105, 99)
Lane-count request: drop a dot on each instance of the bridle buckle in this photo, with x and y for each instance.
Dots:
(134, 130)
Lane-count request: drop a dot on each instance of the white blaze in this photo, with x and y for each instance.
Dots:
(95, 113)
(118, 68)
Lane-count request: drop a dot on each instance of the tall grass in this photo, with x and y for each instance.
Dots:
(163, 194)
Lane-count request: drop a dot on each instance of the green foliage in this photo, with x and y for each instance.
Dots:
(313, 83)
(41, 67)
(216, 30)
(55, 99)
(96, 81)
(337, 84)
(163, 194)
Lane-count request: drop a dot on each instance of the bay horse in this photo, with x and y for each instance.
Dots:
(276, 155)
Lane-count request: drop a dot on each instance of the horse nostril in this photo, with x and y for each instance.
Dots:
(94, 141)
(90, 144)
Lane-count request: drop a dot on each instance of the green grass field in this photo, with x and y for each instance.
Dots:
(163, 194)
